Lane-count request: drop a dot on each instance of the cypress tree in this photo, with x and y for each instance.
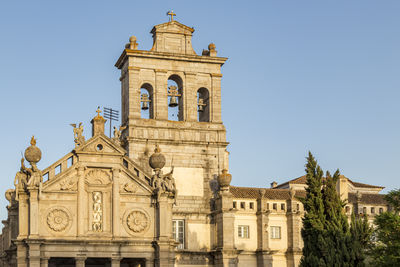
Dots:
(360, 232)
(315, 247)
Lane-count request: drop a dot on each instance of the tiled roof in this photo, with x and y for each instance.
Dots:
(365, 185)
(303, 180)
(376, 199)
(253, 192)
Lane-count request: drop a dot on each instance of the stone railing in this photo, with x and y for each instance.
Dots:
(59, 166)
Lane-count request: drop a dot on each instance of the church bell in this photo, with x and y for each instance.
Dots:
(173, 93)
(145, 101)
(201, 105)
(173, 101)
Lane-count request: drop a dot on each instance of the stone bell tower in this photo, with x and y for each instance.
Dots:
(171, 75)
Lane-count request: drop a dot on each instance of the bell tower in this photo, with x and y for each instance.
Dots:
(172, 97)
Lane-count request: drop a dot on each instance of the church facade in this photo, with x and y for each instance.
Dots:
(159, 192)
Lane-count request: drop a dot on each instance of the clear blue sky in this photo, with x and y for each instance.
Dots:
(301, 75)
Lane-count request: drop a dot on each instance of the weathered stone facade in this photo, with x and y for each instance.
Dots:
(115, 202)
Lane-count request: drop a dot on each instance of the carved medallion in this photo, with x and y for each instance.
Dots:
(137, 221)
(58, 220)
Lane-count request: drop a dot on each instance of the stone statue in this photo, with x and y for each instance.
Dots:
(33, 156)
(79, 139)
(21, 178)
(118, 133)
(164, 183)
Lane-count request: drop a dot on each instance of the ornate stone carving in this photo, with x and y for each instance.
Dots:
(58, 220)
(68, 185)
(130, 187)
(118, 134)
(79, 139)
(97, 225)
(137, 221)
(99, 177)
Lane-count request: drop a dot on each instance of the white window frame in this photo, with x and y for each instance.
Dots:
(178, 232)
(275, 232)
(243, 231)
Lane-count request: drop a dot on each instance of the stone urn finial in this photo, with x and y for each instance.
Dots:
(157, 160)
(33, 153)
(224, 180)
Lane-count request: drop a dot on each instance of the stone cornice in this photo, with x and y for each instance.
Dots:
(167, 56)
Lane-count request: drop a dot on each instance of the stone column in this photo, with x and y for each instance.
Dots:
(160, 98)
(164, 246)
(134, 93)
(81, 201)
(33, 212)
(115, 203)
(44, 262)
(115, 262)
(226, 254)
(190, 97)
(21, 253)
(34, 254)
(215, 98)
(80, 261)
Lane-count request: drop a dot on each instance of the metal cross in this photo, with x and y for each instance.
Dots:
(98, 111)
(172, 14)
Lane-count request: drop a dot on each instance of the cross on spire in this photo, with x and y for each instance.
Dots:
(172, 14)
(98, 111)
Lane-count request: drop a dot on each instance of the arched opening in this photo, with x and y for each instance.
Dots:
(203, 105)
(146, 100)
(175, 98)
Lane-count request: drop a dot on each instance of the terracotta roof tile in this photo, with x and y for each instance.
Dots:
(368, 199)
(270, 193)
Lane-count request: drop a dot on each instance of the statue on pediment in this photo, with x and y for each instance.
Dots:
(79, 139)
(161, 183)
(118, 134)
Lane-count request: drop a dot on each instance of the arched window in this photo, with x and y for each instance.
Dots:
(203, 105)
(146, 100)
(175, 98)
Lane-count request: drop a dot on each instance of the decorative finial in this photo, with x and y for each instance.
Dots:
(157, 149)
(33, 141)
(98, 111)
(172, 14)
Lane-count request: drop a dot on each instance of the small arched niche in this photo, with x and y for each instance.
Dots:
(175, 98)
(146, 101)
(203, 105)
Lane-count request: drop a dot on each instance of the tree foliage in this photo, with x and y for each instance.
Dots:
(328, 238)
(386, 249)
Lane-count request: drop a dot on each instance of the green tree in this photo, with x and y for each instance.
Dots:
(386, 249)
(328, 238)
(313, 231)
(360, 232)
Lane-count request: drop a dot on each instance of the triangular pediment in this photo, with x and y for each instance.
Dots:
(101, 144)
(173, 27)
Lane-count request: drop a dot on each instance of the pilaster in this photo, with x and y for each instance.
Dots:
(81, 201)
(80, 261)
(115, 203)
(215, 98)
(23, 213)
(134, 93)
(190, 96)
(115, 262)
(21, 253)
(34, 254)
(44, 262)
(33, 212)
(160, 98)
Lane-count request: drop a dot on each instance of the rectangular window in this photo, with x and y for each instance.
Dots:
(275, 232)
(242, 205)
(275, 206)
(243, 231)
(252, 205)
(380, 210)
(282, 206)
(234, 205)
(372, 210)
(364, 210)
(178, 232)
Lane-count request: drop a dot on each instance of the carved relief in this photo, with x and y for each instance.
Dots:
(97, 224)
(137, 221)
(129, 187)
(98, 177)
(58, 220)
(68, 185)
